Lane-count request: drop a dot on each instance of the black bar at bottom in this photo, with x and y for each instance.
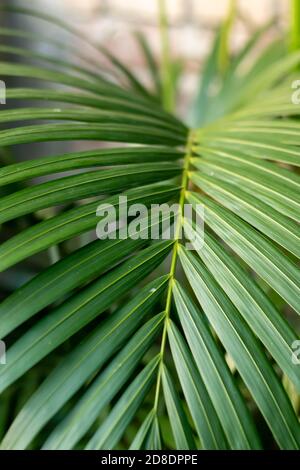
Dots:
(135, 459)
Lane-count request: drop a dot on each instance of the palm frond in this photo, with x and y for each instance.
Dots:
(144, 331)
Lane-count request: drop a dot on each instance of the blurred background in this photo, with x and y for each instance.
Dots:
(192, 26)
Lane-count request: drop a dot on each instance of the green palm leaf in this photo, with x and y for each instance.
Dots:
(138, 342)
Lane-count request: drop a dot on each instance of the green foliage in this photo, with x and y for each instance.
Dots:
(118, 346)
(295, 25)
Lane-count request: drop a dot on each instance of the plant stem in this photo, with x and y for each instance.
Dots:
(224, 51)
(166, 64)
(178, 228)
(295, 25)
